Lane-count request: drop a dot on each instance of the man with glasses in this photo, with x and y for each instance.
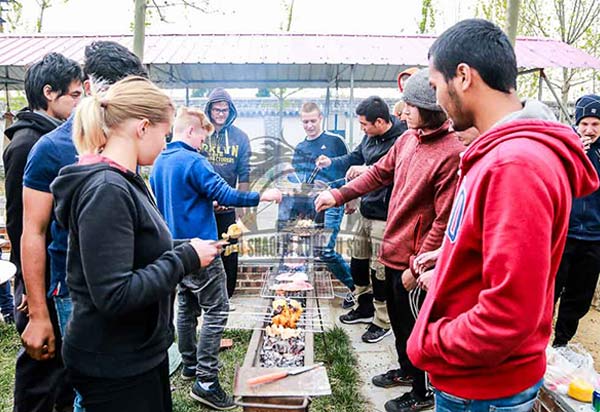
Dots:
(228, 150)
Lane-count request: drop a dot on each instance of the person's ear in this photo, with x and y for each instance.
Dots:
(49, 94)
(142, 127)
(464, 75)
(87, 87)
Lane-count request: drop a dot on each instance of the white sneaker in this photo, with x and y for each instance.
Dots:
(232, 307)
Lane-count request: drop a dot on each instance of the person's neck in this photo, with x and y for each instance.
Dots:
(386, 129)
(183, 140)
(122, 150)
(315, 137)
(503, 104)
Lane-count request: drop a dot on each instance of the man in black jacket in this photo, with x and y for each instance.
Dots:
(53, 89)
(381, 131)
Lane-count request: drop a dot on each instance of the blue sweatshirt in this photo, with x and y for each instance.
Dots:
(307, 152)
(185, 185)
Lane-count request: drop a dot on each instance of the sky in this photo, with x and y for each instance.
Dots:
(247, 16)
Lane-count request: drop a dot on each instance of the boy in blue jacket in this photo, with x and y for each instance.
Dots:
(185, 185)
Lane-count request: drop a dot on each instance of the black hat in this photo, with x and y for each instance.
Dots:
(587, 106)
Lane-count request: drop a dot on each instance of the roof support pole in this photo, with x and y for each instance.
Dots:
(351, 117)
(540, 85)
(562, 108)
(187, 95)
(327, 110)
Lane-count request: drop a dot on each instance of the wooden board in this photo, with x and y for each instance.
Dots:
(311, 383)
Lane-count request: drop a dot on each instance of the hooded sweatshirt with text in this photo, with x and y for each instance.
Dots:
(484, 326)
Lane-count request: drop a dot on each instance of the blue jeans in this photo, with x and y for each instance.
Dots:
(521, 402)
(202, 291)
(7, 305)
(64, 307)
(335, 262)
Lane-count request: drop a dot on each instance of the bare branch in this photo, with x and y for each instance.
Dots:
(161, 16)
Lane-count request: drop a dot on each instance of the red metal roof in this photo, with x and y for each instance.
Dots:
(251, 60)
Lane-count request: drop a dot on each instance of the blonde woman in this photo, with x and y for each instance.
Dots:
(122, 265)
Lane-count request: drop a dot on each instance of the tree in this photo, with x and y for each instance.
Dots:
(263, 93)
(14, 14)
(144, 8)
(427, 23)
(512, 20)
(571, 21)
(199, 92)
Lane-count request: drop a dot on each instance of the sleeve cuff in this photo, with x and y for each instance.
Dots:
(337, 195)
(188, 257)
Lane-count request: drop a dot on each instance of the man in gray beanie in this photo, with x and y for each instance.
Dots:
(422, 165)
(580, 264)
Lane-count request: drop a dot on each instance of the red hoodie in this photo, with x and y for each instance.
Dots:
(486, 321)
(423, 169)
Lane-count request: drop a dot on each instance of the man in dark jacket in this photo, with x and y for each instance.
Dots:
(53, 89)
(228, 150)
(381, 131)
(580, 265)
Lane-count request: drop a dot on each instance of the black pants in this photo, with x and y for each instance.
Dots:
(402, 307)
(224, 220)
(362, 275)
(148, 392)
(39, 385)
(575, 285)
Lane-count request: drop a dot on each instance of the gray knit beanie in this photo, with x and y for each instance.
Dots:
(418, 92)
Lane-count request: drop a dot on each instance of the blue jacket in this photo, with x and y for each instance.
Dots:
(584, 223)
(185, 185)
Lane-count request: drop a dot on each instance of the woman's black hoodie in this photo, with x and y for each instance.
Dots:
(121, 271)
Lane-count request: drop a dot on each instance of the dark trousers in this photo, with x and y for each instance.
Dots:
(224, 220)
(148, 392)
(575, 285)
(402, 308)
(39, 385)
(364, 276)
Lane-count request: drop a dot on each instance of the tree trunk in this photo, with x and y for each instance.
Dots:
(139, 29)
(564, 93)
(512, 20)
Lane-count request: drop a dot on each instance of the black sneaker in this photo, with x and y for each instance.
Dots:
(409, 402)
(349, 301)
(215, 396)
(374, 334)
(355, 316)
(393, 377)
(188, 373)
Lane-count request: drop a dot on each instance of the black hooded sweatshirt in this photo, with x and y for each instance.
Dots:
(122, 269)
(373, 205)
(23, 135)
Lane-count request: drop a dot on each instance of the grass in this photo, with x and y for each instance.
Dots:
(9, 345)
(336, 354)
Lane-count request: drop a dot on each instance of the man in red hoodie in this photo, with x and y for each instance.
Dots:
(485, 323)
(422, 165)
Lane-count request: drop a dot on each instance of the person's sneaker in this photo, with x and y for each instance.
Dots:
(393, 377)
(349, 301)
(374, 334)
(355, 316)
(232, 307)
(214, 396)
(187, 374)
(409, 402)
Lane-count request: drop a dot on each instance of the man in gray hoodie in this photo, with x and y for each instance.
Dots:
(228, 150)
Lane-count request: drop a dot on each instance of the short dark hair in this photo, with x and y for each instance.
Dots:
(483, 46)
(54, 70)
(431, 119)
(110, 62)
(372, 108)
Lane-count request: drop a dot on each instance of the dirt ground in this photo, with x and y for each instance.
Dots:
(588, 334)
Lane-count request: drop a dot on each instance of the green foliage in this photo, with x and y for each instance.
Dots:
(427, 23)
(9, 345)
(263, 93)
(199, 92)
